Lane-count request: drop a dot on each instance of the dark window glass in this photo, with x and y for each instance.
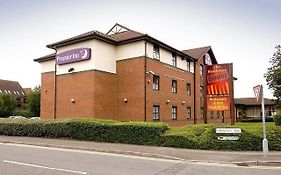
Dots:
(156, 112)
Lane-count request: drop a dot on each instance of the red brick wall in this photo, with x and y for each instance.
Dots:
(80, 87)
(47, 95)
(104, 95)
(168, 73)
(130, 85)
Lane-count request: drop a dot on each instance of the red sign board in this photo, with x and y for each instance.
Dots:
(218, 87)
(257, 91)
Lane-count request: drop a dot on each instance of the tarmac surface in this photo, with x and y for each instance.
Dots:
(240, 158)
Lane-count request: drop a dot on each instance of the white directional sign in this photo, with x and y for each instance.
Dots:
(230, 138)
(228, 130)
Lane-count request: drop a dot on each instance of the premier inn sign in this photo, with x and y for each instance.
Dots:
(74, 55)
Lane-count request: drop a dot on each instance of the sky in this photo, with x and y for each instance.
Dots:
(242, 32)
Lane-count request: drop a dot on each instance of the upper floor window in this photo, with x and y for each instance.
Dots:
(188, 89)
(188, 66)
(188, 112)
(155, 84)
(201, 91)
(174, 86)
(156, 53)
(174, 113)
(156, 112)
(174, 59)
(201, 70)
(202, 113)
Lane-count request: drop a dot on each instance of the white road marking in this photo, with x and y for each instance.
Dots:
(95, 153)
(44, 167)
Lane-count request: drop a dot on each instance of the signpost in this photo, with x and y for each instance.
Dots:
(258, 91)
(228, 131)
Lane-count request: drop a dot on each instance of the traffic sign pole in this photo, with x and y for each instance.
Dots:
(264, 142)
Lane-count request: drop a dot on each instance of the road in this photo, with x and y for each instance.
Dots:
(17, 159)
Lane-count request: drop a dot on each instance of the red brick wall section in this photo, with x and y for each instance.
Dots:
(130, 86)
(47, 95)
(168, 73)
(80, 87)
(104, 95)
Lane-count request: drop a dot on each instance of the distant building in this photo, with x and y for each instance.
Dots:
(249, 107)
(27, 90)
(126, 75)
(13, 88)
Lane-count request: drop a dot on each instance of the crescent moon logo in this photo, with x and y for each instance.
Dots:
(84, 53)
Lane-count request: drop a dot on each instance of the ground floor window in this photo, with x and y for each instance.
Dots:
(202, 113)
(174, 113)
(188, 112)
(156, 112)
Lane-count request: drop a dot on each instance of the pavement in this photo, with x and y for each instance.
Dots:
(245, 158)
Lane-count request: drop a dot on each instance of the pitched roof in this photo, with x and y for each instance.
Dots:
(11, 87)
(197, 53)
(252, 101)
(117, 35)
(122, 36)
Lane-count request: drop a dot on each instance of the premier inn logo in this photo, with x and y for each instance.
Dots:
(74, 55)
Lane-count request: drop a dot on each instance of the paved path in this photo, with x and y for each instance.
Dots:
(151, 151)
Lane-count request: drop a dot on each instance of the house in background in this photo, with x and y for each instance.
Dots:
(249, 107)
(13, 88)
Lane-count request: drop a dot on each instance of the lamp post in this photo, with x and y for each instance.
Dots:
(264, 141)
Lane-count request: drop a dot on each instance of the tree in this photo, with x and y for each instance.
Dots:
(273, 75)
(8, 105)
(33, 102)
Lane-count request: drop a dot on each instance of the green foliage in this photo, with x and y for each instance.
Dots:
(273, 75)
(24, 113)
(146, 133)
(33, 103)
(256, 119)
(92, 130)
(277, 119)
(7, 105)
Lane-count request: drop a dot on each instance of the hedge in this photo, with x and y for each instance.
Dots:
(142, 133)
(145, 133)
(256, 119)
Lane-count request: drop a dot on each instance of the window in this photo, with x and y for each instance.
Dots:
(174, 59)
(174, 113)
(201, 70)
(222, 114)
(188, 66)
(156, 112)
(212, 114)
(218, 114)
(202, 113)
(188, 113)
(156, 54)
(188, 89)
(155, 84)
(174, 86)
(201, 91)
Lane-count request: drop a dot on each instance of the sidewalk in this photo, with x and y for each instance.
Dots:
(249, 157)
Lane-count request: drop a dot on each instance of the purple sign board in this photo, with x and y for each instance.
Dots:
(74, 55)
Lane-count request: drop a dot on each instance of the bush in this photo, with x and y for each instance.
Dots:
(247, 141)
(256, 119)
(24, 113)
(277, 119)
(7, 105)
(142, 133)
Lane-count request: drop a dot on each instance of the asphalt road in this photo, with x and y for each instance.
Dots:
(16, 159)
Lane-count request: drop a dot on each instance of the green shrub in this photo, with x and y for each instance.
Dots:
(24, 113)
(277, 119)
(247, 141)
(143, 133)
(7, 105)
(256, 119)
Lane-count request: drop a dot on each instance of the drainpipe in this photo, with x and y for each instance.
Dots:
(145, 70)
(194, 96)
(55, 90)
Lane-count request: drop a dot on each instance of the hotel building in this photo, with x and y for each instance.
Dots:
(128, 76)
